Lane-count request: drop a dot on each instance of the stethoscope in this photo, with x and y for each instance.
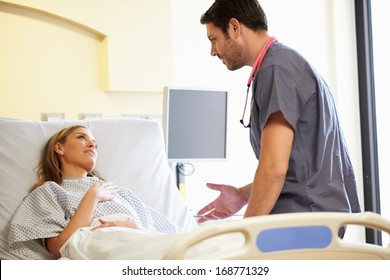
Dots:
(256, 66)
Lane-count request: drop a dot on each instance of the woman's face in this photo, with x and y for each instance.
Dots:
(78, 153)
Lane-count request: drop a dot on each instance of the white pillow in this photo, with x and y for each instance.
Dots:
(131, 154)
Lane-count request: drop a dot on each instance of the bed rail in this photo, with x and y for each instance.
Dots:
(291, 236)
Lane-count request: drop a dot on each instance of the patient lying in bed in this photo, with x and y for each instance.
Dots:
(69, 197)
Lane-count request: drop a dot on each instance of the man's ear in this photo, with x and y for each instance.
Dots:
(234, 27)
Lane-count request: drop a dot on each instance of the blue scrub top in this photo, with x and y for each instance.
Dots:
(320, 175)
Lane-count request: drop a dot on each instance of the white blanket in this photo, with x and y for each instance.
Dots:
(120, 243)
(116, 243)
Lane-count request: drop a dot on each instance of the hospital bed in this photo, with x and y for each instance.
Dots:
(132, 154)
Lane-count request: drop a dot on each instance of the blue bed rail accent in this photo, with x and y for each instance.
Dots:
(293, 238)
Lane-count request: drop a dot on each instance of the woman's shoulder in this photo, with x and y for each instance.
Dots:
(39, 196)
(48, 188)
(45, 186)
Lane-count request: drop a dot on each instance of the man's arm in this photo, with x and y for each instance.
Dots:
(276, 144)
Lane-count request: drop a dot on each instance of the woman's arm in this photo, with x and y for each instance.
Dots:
(83, 216)
(118, 223)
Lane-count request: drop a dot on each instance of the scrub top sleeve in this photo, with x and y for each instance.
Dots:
(278, 92)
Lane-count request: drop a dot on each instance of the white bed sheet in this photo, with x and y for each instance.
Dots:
(120, 243)
(115, 243)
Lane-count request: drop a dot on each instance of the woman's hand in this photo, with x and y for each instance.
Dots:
(104, 191)
(119, 223)
(84, 214)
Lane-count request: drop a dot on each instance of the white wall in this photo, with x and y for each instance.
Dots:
(381, 22)
(131, 36)
(321, 30)
(90, 56)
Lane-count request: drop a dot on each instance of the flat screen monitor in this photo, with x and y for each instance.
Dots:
(194, 123)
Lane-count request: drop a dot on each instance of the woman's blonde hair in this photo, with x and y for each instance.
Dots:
(49, 167)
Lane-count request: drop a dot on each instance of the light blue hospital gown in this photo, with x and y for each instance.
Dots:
(47, 210)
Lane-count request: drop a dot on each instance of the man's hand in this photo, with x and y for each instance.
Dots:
(229, 202)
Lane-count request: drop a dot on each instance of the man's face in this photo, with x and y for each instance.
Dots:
(225, 46)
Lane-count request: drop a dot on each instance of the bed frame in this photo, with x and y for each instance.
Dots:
(304, 236)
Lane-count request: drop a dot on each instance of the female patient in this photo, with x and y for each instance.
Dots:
(69, 195)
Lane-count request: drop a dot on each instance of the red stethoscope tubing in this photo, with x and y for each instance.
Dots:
(260, 58)
(256, 66)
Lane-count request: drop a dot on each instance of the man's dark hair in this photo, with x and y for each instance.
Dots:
(247, 12)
